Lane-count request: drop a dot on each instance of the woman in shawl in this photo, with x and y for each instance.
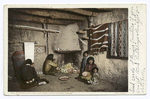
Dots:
(49, 65)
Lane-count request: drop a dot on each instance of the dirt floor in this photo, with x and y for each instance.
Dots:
(71, 85)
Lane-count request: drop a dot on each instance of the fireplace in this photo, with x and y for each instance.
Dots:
(67, 45)
(73, 58)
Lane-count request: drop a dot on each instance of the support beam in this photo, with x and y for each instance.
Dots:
(46, 27)
(82, 12)
(29, 18)
(86, 29)
(83, 42)
(66, 51)
(81, 32)
(33, 28)
(52, 14)
(85, 38)
(15, 42)
(98, 10)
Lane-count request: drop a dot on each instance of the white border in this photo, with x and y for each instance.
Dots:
(55, 6)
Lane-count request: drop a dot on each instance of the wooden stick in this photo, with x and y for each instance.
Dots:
(13, 42)
(85, 38)
(87, 29)
(82, 32)
(33, 28)
(83, 42)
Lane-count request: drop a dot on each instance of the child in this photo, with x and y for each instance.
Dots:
(84, 61)
(87, 74)
(83, 65)
(95, 77)
(90, 64)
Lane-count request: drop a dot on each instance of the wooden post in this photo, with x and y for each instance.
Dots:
(47, 41)
(46, 27)
(109, 42)
(88, 35)
(47, 45)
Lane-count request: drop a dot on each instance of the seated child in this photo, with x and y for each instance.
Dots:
(87, 74)
(95, 76)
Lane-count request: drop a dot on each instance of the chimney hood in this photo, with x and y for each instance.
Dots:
(67, 41)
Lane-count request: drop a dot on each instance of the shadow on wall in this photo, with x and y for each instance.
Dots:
(113, 70)
(107, 17)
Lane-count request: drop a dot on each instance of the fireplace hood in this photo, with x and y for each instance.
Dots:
(66, 51)
(67, 40)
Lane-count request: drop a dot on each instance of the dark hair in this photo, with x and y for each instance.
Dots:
(94, 68)
(50, 57)
(28, 61)
(90, 58)
(85, 52)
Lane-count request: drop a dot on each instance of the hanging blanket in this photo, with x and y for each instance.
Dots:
(99, 38)
(118, 38)
(118, 32)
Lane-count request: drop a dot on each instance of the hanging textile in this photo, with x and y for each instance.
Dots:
(118, 39)
(99, 38)
(29, 50)
(113, 36)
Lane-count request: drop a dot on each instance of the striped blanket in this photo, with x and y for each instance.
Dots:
(114, 35)
(99, 38)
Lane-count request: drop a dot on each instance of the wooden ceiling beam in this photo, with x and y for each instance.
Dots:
(33, 28)
(29, 18)
(52, 14)
(98, 10)
(82, 12)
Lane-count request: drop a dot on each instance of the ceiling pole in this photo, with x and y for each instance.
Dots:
(33, 28)
(53, 14)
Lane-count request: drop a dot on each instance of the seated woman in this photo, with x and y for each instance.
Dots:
(29, 74)
(87, 74)
(30, 77)
(49, 65)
